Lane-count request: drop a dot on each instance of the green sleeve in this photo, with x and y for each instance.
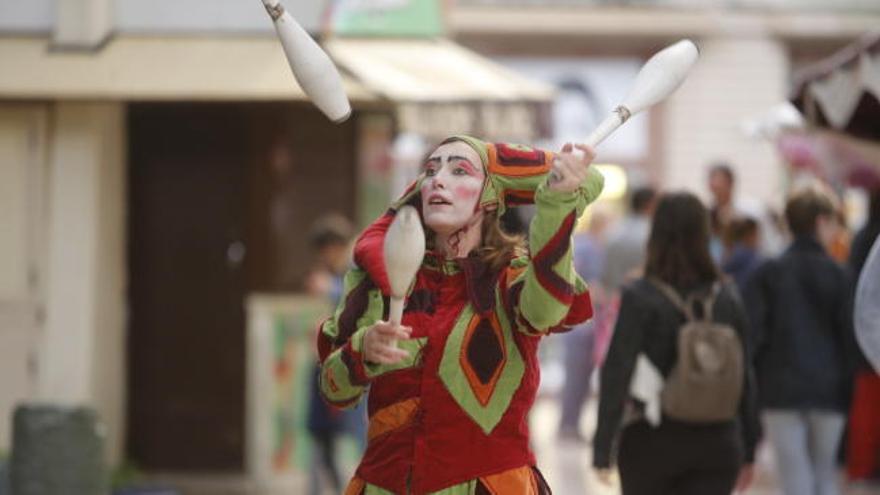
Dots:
(549, 282)
(344, 376)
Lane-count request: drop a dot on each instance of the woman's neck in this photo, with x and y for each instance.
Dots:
(460, 243)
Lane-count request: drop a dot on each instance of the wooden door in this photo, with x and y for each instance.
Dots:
(187, 252)
(222, 197)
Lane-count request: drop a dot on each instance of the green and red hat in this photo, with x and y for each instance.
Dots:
(513, 173)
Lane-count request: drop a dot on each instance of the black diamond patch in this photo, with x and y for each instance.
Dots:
(484, 351)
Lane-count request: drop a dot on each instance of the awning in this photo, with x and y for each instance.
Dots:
(440, 87)
(435, 86)
(842, 92)
(154, 68)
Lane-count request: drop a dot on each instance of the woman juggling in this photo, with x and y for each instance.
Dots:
(451, 387)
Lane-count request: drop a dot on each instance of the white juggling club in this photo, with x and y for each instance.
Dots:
(311, 66)
(658, 78)
(404, 250)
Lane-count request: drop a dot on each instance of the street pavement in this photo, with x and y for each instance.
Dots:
(566, 464)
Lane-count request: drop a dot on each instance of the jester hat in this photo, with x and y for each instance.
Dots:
(513, 174)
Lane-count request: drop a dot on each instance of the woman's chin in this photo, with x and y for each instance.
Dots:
(441, 227)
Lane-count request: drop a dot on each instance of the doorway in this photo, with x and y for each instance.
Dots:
(220, 196)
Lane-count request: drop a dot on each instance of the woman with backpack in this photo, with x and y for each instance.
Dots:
(696, 432)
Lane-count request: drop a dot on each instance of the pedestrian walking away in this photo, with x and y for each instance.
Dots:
(677, 392)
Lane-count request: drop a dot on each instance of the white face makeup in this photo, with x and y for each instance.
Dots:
(453, 182)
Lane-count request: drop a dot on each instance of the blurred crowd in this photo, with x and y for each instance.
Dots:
(785, 283)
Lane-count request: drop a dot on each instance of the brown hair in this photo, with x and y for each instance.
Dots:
(678, 248)
(329, 229)
(723, 169)
(804, 207)
(498, 247)
(739, 230)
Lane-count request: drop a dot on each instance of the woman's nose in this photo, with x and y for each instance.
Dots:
(437, 182)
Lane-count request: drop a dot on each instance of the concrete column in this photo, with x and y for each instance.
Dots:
(82, 24)
(23, 135)
(83, 358)
(735, 79)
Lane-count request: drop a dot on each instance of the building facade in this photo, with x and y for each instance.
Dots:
(158, 167)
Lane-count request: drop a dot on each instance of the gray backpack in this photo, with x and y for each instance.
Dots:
(706, 382)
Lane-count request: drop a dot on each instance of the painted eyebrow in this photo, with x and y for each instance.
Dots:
(456, 157)
(438, 159)
(434, 160)
(451, 157)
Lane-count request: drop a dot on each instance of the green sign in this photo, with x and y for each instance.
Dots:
(391, 18)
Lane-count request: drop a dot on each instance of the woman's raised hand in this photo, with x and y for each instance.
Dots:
(571, 167)
(379, 343)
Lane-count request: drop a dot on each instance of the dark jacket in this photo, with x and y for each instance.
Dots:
(800, 306)
(649, 323)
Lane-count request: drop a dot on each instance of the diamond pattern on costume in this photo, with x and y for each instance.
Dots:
(484, 356)
(481, 366)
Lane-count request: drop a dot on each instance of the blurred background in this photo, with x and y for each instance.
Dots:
(160, 170)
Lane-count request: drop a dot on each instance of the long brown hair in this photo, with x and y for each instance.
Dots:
(678, 248)
(497, 247)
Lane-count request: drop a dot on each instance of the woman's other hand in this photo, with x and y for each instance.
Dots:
(570, 167)
(380, 345)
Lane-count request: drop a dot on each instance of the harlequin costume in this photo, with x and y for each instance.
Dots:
(451, 418)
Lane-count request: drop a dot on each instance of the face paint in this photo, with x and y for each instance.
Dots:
(451, 190)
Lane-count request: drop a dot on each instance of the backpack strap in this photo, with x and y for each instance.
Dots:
(673, 296)
(709, 300)
(686, 305)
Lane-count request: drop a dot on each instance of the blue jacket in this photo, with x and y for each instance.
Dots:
(740, 265)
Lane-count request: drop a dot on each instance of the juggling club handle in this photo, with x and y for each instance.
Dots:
(395, 312)
(620, 115)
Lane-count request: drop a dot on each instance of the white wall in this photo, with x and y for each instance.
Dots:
(734, 80)
(209, 15)
(82, 23)
(30, 15)
(162, 16)
(83, 355)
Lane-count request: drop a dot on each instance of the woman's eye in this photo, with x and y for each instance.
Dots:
(459, 171)
(430, 172)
